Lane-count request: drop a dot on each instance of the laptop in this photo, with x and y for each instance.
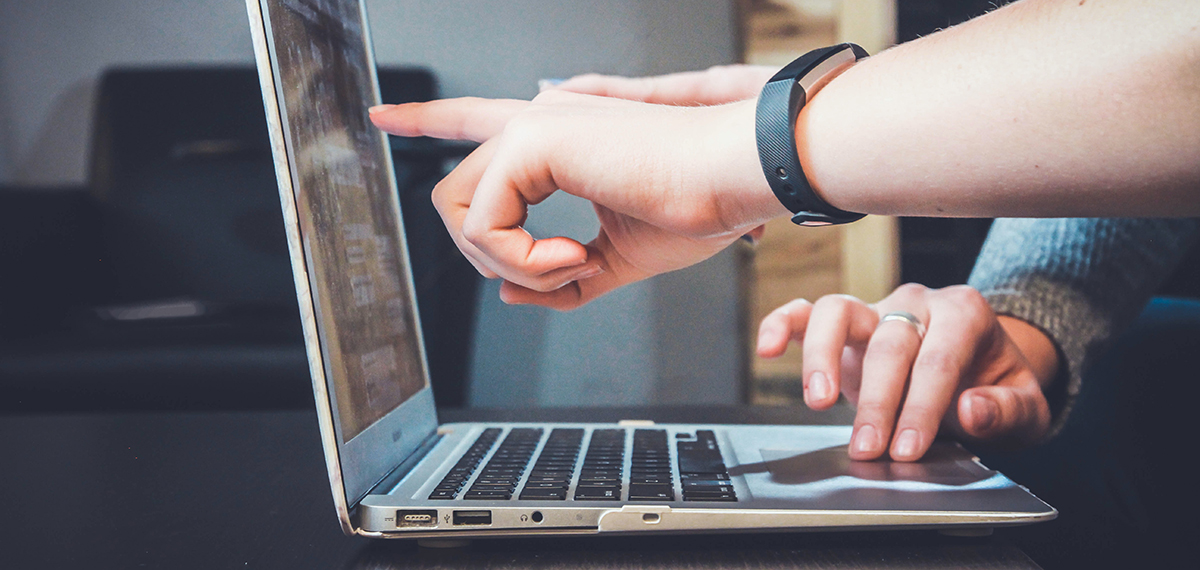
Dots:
(395, 472)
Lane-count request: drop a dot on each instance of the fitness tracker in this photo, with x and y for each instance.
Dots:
(775, 126)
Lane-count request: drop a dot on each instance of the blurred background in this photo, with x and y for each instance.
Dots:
(141, 240)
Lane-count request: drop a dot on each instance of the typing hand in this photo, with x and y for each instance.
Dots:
(671, 186)
(978, 375)
(713, 86)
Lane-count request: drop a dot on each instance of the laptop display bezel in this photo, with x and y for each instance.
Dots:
(357, 465)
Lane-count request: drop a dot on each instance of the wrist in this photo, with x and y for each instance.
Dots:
(779, 103)
(743, 197)
(811, 132)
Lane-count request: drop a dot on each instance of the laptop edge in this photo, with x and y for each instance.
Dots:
(346, 494)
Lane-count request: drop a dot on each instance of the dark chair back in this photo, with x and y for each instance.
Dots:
(182, 171)
(184, 189)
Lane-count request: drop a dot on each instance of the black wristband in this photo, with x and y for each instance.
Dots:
(775, 125)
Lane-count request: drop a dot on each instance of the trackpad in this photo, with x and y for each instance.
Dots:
(944, 464)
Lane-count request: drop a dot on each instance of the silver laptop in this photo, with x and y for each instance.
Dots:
(395, 472)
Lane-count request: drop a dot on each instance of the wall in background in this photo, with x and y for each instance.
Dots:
(674, 338)
(52, 52)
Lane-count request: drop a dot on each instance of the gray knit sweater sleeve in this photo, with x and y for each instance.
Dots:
(1079, 280)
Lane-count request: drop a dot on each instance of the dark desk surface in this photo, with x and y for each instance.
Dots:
(248, 490)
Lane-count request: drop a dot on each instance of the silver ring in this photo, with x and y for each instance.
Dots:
(907, 318)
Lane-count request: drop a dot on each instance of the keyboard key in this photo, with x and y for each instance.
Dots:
(635, 468)
(701, 463)
(539, 494)
(651, 480)
(703, 483)
(714, 498)
(488, 495)
(496, 480)
(597, 494)
(478, 487)
(594, 481)
(685, 477)
(643, 492)
(549, 479)
(551, 473)
(562, 485)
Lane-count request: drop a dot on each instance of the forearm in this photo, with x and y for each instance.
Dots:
(1043, 108)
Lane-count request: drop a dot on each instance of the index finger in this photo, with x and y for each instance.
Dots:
(465, 118)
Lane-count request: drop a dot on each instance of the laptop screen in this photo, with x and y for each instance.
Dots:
(348, 211)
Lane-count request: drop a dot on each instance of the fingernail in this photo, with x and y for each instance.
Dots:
(866, 440)
(907, 442)
(983, 412)
(379, 108)
(590, 272)
(819, 386)
(544, 84)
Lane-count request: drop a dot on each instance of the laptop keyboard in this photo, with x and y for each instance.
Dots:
(551, 475)
(603, 467)
(650, 470)
(503, 471)
(652, 477)
(453, 482)
(702, 471)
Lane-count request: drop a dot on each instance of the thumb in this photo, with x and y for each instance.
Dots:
(1004, 412)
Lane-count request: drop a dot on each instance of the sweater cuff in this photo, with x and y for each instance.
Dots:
(1071, 324)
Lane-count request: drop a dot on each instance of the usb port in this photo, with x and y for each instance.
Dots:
(416, 518)
(472, 517)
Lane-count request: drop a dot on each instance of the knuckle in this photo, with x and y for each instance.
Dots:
(555, 96)
(939, 363)
(544, 285)
(839, 302)
(791, 306)
(648, 87)
(870, 411)
(520, 126)
(910, 290)
(474, 233)
(922, 415)
(966, 298)
(439, 199)
(890, 347)
(1033, 409)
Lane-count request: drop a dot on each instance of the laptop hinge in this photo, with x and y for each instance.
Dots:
(389, 481)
